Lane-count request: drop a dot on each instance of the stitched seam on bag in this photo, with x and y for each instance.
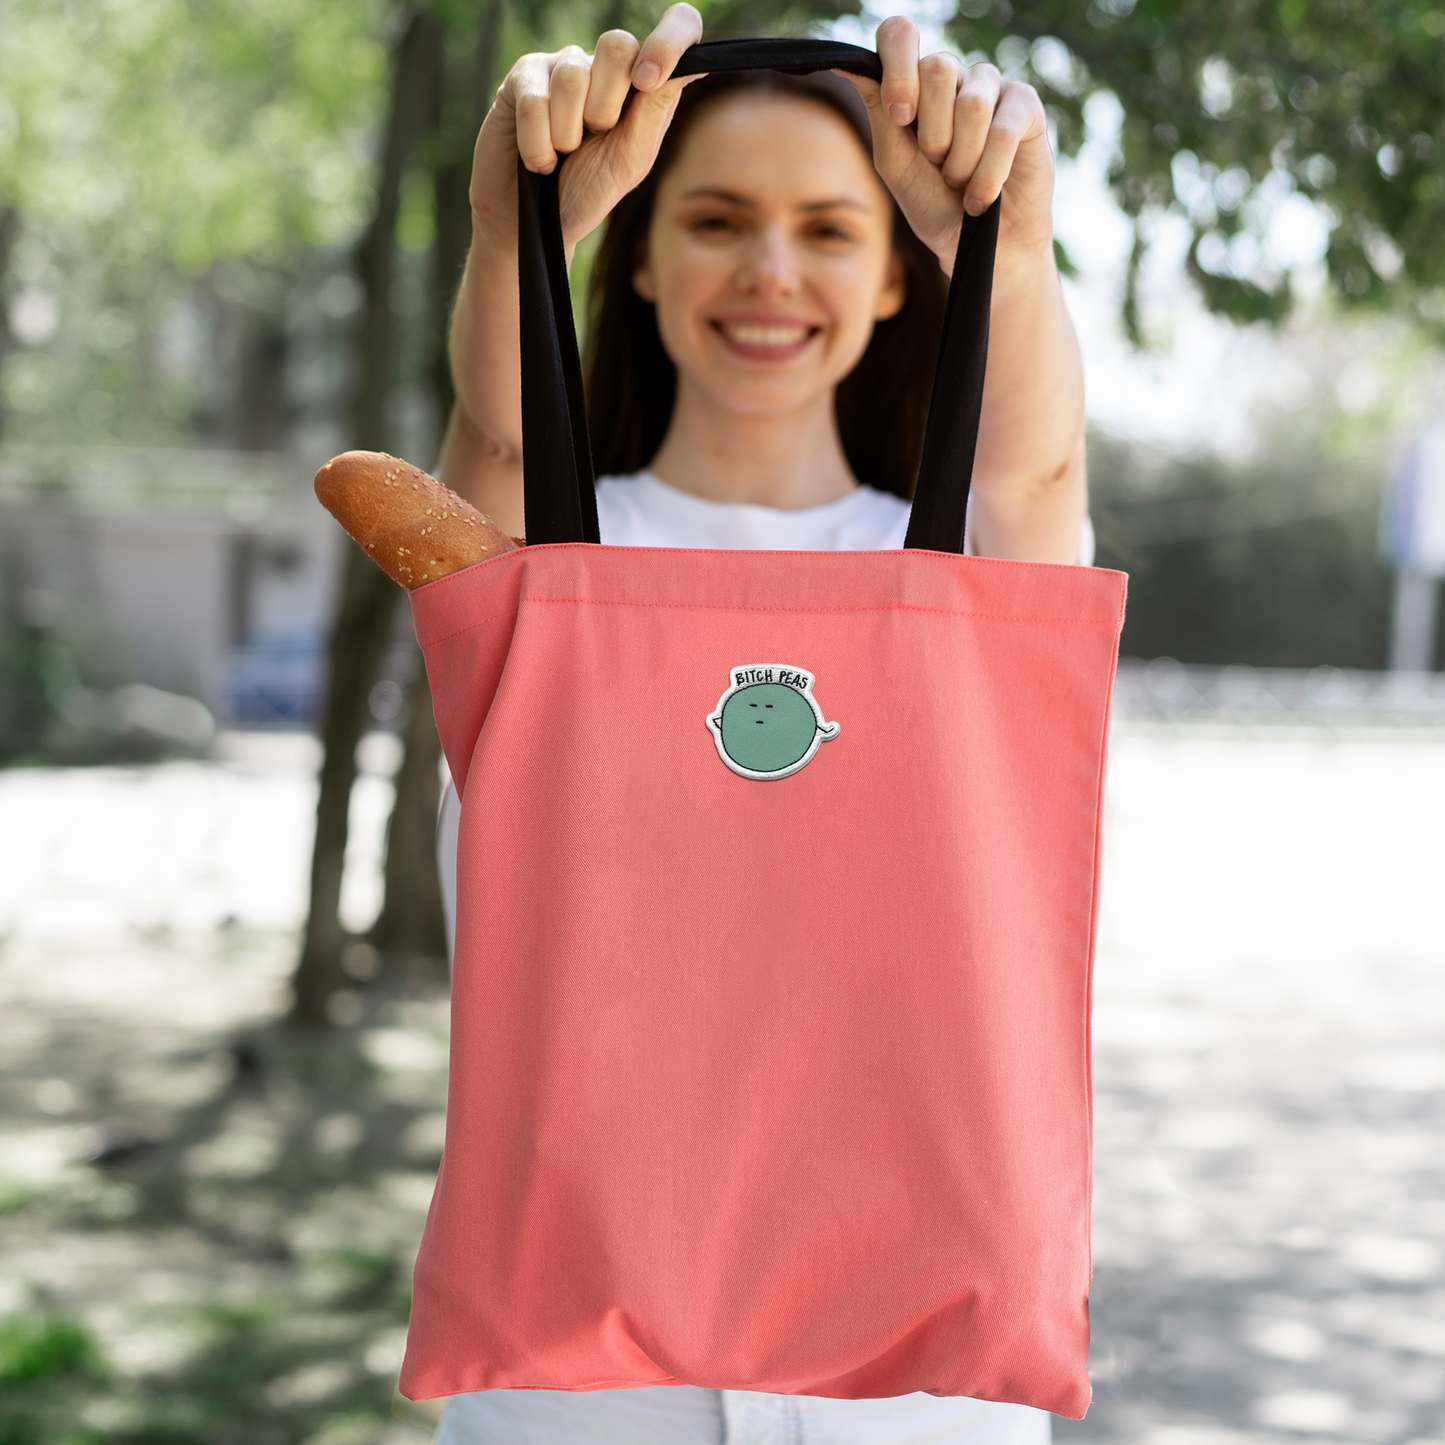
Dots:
(1106, 625)
(470, 627)
(919, 552)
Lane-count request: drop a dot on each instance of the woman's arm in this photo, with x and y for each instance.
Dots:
(1029, 483)
(978, 136)
(567, 103)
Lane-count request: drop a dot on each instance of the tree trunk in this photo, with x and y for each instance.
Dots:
(368, 598)
(411, 925)
(412, 930)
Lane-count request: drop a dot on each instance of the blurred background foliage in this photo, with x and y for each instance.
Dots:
(1269, 555)
(169, 169)
(1232, 106)
(1272, 563)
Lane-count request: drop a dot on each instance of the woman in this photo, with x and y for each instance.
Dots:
(771, 290)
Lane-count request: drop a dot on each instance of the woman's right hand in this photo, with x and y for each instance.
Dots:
(573, 105)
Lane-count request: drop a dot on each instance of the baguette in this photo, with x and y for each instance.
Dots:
(412, 527)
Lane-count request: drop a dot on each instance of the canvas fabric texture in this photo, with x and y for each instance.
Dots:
(864, 986)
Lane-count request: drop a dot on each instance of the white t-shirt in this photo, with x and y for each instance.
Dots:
(643, 511)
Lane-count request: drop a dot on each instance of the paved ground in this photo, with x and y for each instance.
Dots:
(1270, 1055)
(1270, 1217)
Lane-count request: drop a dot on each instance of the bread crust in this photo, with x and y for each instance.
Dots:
(412, 527)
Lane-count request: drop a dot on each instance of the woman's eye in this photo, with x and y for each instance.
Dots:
(714, 225)
(830, 231)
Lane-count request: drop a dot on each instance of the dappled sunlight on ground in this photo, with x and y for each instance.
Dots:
(228, 1213)
(1270, 1091)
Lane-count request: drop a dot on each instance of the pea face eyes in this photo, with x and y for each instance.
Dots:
(767, 724)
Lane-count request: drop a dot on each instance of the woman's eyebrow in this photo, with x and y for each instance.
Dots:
(718, 193)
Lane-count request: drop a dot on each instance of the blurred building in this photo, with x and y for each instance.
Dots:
(204, 573)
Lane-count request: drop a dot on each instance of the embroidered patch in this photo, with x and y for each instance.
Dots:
(768, 723)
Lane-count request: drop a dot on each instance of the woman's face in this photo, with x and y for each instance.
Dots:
(770, 253)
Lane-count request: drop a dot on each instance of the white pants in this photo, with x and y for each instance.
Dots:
(685, 1415)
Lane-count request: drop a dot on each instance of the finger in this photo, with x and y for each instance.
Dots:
(894, 146)
(973, 114)
(680, 27)
(938, 81)
(530, 87)
(897, 43)
(1019, 111)
(611, 77)
(643, 125)
(571, 73)
(869, 91)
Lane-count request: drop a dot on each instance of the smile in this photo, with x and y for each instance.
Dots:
(757, 338)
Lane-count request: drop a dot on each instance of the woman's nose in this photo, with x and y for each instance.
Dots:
(771, 270)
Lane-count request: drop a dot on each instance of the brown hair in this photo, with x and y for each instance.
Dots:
(882, 404)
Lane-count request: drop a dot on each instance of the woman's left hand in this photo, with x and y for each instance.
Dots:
(978, 135)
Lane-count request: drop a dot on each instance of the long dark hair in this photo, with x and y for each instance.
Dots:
(882, 404)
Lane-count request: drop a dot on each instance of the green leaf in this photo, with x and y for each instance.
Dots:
(39, 1349)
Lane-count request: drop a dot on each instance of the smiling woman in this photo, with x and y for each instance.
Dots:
(836, 276)
(770, 293)
(761, 212)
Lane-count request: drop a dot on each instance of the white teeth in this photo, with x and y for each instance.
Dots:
(766, 335)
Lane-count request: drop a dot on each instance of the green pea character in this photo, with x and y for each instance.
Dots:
(768, 724)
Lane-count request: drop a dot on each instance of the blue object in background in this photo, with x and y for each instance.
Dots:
(1412, 538)
(1412, 532)
(275, 681)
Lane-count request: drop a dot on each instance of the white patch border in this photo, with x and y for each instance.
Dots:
(826, 731)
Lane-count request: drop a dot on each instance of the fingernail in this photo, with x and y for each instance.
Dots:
(646, 74)
(899, 113)
(974, 206)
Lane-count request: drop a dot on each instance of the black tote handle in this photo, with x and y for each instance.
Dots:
(559, 485)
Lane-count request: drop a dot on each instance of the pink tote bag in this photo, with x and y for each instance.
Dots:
(777, 893)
